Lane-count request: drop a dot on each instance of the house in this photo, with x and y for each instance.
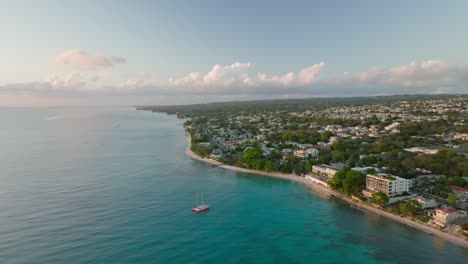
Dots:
(204, 144)
(422, 150)
(392, 126)
(334, 139)
(325, 170)
(365, 169)
(286, 151)
(426, 202)
(462, 136)
(308, 153)
(386, 183)
(216, 154)
(462, 193)
(312, 152)
(446, 215)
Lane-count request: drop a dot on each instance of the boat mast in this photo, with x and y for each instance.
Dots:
(202, 198)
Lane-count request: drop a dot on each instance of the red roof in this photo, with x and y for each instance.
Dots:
(458, 188)
(448, 209)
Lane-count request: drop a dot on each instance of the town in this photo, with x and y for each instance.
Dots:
(405, 156)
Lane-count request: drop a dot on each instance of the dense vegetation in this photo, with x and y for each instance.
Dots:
(348, 181)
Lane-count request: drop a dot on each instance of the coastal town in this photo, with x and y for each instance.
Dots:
(404, 157)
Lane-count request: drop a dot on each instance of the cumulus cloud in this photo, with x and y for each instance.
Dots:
(241, 79)
(241, 75)
(140, 81)
(426, 74)
(82, 60)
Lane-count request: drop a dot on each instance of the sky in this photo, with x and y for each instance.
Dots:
(117, 53)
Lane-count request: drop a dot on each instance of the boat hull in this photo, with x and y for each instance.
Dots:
(200, 209)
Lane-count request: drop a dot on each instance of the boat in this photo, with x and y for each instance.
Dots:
(200, 207)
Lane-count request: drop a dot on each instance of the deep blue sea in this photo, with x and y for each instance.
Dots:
(108, 185)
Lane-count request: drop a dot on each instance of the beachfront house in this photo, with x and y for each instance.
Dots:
(446, 215)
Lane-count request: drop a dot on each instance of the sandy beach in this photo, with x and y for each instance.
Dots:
(327, 192)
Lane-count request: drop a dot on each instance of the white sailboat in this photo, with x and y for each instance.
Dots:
(200, 207)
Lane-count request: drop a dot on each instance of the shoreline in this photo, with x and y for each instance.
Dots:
(327, 192)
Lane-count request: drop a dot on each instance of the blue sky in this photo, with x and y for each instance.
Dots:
(384, 47)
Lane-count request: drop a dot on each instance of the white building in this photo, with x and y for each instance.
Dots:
(325, 170)
(462, 136)
(388, 184)
(422, 150)
(392, 126)
(445, 216)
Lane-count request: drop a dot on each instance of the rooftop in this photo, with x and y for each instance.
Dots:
(458, 188)
(447, 209)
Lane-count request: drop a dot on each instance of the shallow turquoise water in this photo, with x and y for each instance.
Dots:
(115, 186)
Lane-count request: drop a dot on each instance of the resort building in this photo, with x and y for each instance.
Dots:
(446, 215)
(325, 170)
(388, 184)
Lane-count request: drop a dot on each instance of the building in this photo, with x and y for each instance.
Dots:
(364, 169)
(426, 202)
(325, 170)
(388, 184)
(308, 153)
(462, 193)
(422, 150)
(462, 136)
(392, 126)
(446, 215)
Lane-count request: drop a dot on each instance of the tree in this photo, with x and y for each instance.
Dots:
(269, 166)
(308, 165)
(458, 181)
(452, 199)
(465, 226)
(402, 208)
(354, 182)
(326, 136)
(348, 181)
(413, 207)
(380, 198)
(336, 181)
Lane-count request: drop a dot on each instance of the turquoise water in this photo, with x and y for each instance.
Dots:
(115, 186)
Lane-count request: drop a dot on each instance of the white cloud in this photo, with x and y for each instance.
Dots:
(81, 60)
(240, 75)
(140, 81)
(427, 74)
(73, 80)
(240, 79)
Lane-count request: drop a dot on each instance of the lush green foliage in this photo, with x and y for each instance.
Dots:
(445, 162)
(452, 199)
(380, 198)
(348, 181)
(411, 207)
(200, 150)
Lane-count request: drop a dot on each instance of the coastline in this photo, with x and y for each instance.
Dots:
(327, 192)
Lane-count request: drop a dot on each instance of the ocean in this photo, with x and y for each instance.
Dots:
(114, 185)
